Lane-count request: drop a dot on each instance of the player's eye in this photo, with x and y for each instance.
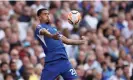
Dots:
(46, 13)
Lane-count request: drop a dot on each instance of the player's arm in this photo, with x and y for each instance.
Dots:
(73, 42)
(48, 34)
(65, 40)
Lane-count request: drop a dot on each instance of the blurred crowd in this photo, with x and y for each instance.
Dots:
(108, 25)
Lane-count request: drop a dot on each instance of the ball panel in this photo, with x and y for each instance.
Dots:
(74, 12)
(70, 16)
(74, 17)
(79, 16)
(70, 21)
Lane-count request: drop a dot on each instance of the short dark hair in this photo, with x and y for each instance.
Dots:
(3, 63)
(6, 75)
(40, 10)
(12, 62)
(117, 68)
(124, 66)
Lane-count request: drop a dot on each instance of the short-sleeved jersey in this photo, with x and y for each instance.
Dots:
(54, 49)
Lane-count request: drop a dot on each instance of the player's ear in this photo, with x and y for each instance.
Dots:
(39, 17)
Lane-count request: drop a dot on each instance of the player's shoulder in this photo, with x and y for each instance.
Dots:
(39, 26)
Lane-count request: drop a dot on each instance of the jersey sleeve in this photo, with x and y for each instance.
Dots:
(38, 29)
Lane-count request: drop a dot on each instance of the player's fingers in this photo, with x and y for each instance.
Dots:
(57, 36)
(83, 37)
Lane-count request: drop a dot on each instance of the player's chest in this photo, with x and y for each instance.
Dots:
(52, 30)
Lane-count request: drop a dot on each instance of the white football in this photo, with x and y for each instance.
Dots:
(74, 17)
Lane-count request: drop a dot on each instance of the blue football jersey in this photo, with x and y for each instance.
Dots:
(54, 49)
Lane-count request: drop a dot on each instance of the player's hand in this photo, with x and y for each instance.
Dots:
(56, 36)
(85, 40)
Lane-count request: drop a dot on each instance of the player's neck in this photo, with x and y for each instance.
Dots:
(44, 22)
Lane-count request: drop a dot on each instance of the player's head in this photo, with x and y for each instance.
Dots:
(43, 15)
